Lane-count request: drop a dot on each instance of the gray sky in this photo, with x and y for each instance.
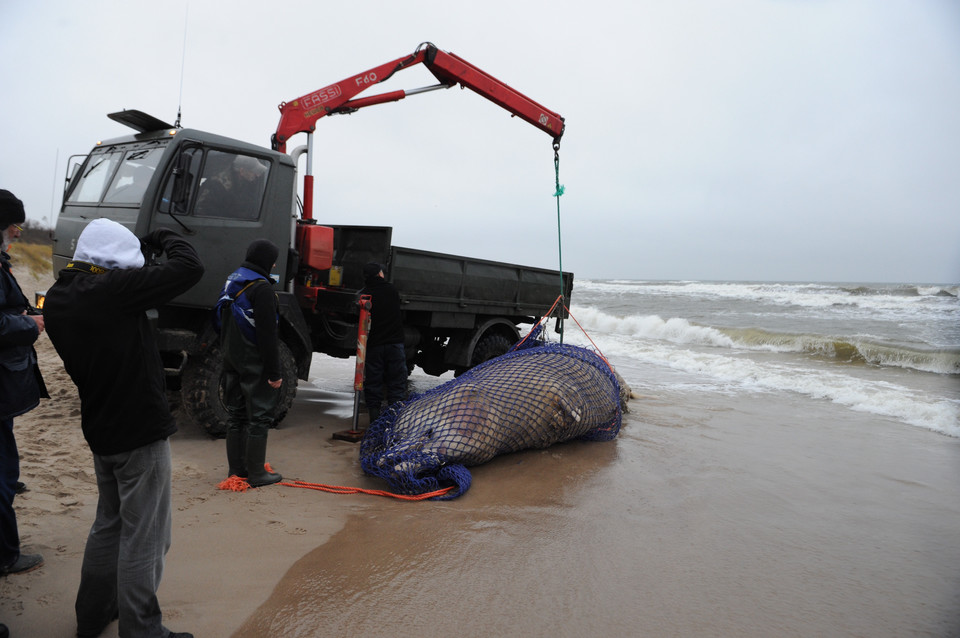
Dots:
(706, 139)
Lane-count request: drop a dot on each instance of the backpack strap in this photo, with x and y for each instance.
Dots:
(244, 289)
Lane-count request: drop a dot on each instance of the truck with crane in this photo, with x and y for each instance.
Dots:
(222, 193)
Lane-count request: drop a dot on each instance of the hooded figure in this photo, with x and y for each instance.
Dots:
(107, 244)
(96, 317)
(246, 315)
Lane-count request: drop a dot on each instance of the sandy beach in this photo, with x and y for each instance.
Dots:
(229, 549)
(740, 518)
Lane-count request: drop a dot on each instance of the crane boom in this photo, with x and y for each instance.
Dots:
(301, 115)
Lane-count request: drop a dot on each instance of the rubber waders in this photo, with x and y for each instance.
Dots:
(236, 456)
(257, 474)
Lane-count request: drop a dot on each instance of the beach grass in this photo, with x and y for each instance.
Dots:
(37, 258)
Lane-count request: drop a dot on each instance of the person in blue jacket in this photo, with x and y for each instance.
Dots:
(246, 315)
(21, 386)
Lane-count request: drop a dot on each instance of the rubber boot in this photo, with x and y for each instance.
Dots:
(236, 447)
(257, 474)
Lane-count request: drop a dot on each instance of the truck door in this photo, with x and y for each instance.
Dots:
(220, 200)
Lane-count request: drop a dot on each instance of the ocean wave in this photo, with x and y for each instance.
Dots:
(919, 290)
(885, 399)
(733, 374)
(888, 297)
(847, 350)
(676, 330)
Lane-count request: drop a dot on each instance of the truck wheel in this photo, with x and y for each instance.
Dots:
(489, 347)
(202, 396)
(288, 391)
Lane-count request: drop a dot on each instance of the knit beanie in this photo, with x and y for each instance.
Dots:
(106, 243)
(262, 253)
(11, 209)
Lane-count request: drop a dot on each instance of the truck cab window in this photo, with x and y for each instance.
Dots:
(133, 176)
(94, 176)
(231, 186)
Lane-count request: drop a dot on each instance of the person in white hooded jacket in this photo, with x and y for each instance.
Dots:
(95, 315)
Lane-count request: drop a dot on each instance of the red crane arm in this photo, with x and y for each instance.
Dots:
(301, 115)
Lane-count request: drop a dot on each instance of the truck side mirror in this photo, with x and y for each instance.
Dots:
(182, 181)
(73, 171)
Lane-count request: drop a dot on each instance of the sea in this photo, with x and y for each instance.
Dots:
(892, 350)
(789, 466)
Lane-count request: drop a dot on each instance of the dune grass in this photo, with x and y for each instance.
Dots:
(37, 258)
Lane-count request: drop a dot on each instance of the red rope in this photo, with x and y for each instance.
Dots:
(589, 338)
(237, 484)
(339, 489)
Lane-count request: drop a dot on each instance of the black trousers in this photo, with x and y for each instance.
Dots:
(384, 374)
(9, 475)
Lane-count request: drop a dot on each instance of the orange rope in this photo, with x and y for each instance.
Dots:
(542, 320)
(339, 489)
(237, 484)
(589, 338)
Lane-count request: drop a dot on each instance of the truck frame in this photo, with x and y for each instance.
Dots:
(222, 193)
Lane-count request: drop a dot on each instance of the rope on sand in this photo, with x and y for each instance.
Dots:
(238, 484)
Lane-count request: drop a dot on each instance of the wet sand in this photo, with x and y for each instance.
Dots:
(754, 519)
(708, 516)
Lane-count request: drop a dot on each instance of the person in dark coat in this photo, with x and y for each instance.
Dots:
(96, 318)
(385, 369)
(246, 315)
(21, 386)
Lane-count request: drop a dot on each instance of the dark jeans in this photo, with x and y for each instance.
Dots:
(9, 475)
(124, 557)
(385, 371)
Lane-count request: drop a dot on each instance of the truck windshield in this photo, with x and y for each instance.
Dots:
(116, 176)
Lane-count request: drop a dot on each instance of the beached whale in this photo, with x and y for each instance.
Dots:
(530, 398)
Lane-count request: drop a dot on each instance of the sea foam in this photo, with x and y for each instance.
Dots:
(684, 347)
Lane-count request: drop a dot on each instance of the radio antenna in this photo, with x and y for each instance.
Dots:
(183, 61)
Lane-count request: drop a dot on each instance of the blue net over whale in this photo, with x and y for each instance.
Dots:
(534, 396)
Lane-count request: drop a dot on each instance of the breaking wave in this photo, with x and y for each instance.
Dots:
(905, 291)
(704, 350)
(846, 350)
(883, 297)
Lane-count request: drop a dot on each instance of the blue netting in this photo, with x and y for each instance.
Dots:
(532, 397)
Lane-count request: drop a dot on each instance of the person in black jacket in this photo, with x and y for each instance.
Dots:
(21, 386)
(96, 318)
(385, 369)
(246, 315)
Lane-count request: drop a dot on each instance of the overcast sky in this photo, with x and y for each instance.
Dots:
(798, 140)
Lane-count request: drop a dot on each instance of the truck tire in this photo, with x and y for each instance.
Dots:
(288, 391)
(202, 396)
(489, 347)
